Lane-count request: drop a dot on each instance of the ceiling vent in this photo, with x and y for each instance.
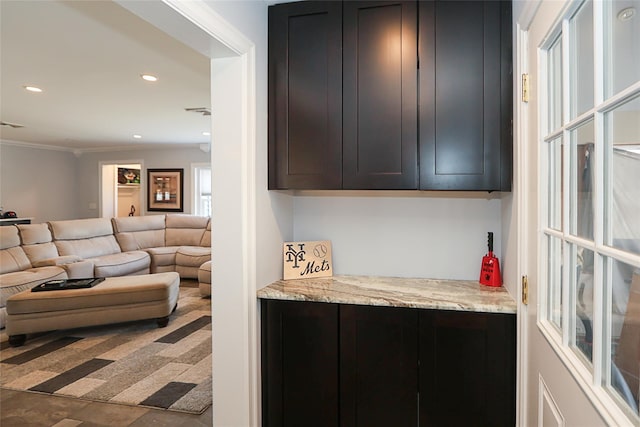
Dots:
(202, 110)
(13, 125)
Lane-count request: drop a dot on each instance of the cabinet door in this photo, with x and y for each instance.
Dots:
(378, 366)
(305, 95)
(467, 369)
(465, 95)
(380, 95)
(299, 364)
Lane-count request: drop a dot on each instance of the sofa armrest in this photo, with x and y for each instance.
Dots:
(80, 269)
(61, 260)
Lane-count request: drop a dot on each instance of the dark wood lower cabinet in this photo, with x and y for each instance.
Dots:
(467, 369)
(344, 365)
(378, 366)
(300, 384)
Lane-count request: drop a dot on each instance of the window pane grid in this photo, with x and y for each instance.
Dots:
(555, 160)
(592, 162)
(582, 60)
(555, 280)
(582, 160)
(622, 36)
(582, 302)
(554, 79)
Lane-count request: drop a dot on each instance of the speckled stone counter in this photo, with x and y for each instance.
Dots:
(460, 295)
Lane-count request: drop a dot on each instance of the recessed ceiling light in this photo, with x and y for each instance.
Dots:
(626, 14)
(149, 77)
(206, 133)
(32, 88)
(136, 136)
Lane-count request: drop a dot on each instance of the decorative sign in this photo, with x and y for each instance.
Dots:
(307, 259)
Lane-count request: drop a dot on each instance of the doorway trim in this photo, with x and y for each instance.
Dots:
(236, 388)
(521, 125)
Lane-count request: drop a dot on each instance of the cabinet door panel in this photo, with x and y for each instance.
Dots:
(380, 95)
(305, 95)
(462, 88)
(467, 369)
(300, 364)
(378, 367)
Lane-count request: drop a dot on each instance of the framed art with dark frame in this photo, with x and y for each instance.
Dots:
(165, 189)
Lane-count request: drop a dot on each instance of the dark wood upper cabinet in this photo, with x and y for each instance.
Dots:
(390, 95)
(380, 145)
(465, 95)
(305, 95)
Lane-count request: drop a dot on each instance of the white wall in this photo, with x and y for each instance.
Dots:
(274, 214)
(402, 234)
(42, 184)
(53, 185)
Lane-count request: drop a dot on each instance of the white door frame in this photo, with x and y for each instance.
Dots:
(236, 384)
(520, 185)
(236, 393)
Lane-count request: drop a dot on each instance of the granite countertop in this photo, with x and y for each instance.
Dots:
(460, 295)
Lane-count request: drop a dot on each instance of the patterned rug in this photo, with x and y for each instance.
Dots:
(133, 363)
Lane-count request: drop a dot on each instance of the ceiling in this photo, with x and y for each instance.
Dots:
(88, 56)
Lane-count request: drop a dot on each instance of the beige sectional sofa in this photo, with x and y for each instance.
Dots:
(179, 243)
(31, 254)
(94, 240)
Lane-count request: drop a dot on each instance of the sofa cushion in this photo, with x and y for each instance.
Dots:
(58, 260)
(185, 230)
(124, 224)
(40, 251)
(206, 237)
(74, 229)
(87, 238)
(13, 259)
(79, 269)
(13, 283)
(163, 257)
(186, 221)
(121, 264)
(37, 243)
(9, 237)
(204, 279)
(192, 256)
(89, 248)
(12, 256)
(31, 234)
(139, 232)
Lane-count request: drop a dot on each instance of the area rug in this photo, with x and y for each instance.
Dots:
(134, 363)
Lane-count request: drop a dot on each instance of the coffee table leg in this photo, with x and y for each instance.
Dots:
(162, 321)
(17, 340)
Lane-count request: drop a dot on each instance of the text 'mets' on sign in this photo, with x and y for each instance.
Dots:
(307, 259)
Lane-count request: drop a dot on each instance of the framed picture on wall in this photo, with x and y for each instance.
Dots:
(165, 190)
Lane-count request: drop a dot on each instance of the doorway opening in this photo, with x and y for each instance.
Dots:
(121, 189)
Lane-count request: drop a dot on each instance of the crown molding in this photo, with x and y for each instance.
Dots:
(79, 151)
(37, 146)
